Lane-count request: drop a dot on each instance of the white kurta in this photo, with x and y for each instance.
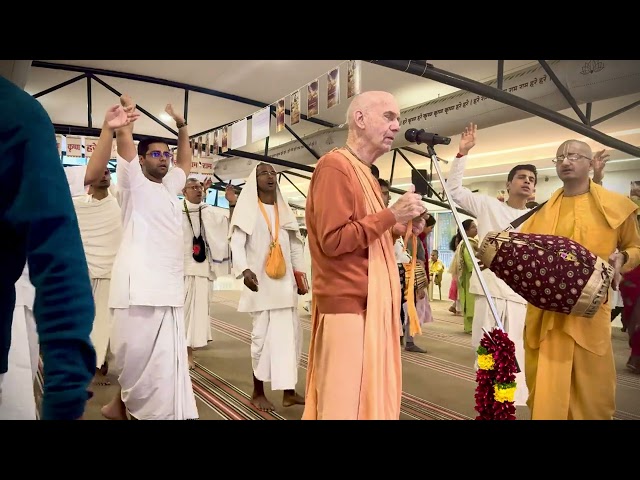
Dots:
(492, 215)
(147, 295)
(276, 334)
(251, 252)
(149, 267)
(199, 277)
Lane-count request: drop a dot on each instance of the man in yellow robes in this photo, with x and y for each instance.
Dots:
(569, 363)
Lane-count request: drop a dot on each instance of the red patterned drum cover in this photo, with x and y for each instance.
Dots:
(549, 271)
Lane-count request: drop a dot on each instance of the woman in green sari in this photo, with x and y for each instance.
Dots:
(464, 264)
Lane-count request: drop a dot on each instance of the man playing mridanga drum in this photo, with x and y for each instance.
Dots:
(569, 363)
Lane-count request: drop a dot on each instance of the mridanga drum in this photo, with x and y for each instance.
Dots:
(550, 272)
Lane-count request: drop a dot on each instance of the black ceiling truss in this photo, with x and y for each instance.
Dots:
(420, 69)
(415, 67)
(166, 83)
(615, 113)
(90, 74)
(565, 93)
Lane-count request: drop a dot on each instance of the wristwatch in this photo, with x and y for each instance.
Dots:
(180, 125)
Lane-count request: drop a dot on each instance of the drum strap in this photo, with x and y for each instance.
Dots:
(521, 219)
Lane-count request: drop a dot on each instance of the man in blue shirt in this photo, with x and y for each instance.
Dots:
(38, 226)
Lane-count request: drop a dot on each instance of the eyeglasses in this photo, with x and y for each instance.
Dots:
(572, 157)
(196, 188)
(158, 154)
(264, 173)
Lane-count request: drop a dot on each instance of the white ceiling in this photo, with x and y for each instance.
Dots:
(500, 147)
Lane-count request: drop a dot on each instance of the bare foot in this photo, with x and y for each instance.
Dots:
(292, 398)
(192, 362)
(261, 403)
(114, 410)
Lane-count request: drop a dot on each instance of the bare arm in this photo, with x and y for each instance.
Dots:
(124, 136)
(185, 153)
(462, 196)
(116, 117)
(232, 197)
(599, 161)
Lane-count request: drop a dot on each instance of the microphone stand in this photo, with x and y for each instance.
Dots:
(476, 266)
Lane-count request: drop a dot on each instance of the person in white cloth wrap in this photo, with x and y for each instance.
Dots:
(206, 253)
(148, 341)
(276, 337)
(99, 218)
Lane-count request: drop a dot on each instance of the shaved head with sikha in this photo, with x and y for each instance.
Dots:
(575, 146)
(575, 165)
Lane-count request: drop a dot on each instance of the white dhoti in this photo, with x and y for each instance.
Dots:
(103, 321)
(17, 398)
(512, 316)
(276, 346)
(196, 310)
(150, 359)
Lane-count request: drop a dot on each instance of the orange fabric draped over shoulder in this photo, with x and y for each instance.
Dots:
(380, 386)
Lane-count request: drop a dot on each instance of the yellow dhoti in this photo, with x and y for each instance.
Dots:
(556, 370)
(569, 363)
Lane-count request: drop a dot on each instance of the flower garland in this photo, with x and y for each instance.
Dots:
(496, 377)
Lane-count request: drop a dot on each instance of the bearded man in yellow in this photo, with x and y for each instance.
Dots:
(569, 363)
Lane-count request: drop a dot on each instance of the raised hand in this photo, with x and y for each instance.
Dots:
(172, 113)
(126, 101)
(468, 139)
(230, 194)
(207, 183)
(598, 163)
(118, 116)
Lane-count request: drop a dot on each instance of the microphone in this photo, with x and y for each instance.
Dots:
(420, 136)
